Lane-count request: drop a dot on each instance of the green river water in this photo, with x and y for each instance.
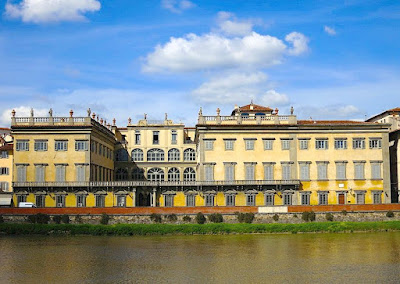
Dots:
(301, 258)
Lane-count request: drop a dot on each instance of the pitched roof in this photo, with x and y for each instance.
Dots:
(6, 147)
(389, 111)
(255, 108)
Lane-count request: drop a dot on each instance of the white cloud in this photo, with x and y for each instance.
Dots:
(176, 6)
(273, 98)
(24, 111)
(299, 42)
(213, 51)
(329, 30)
(42, 11)
(335, 111)
(229, 25)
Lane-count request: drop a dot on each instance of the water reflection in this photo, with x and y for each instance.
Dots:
(327, 258)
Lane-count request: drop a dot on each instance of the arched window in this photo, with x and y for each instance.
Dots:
(138, 174)
(137, 155)
(155, 174)
(121, 174)
(121, 155)
(189, 174)
(155, 155)
(174, 155)
(189, 155)
(173, 174)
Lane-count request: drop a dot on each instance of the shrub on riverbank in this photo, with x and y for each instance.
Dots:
(329, 217)
(187, 218)
(171, 217)
(156, 218)
(39, 218)
(308, 216)
(57, 219)
(1, 219)
(390, 214)
(215, 218)
(104, 219)
(200, 218)
(245, 217)
(191, 229)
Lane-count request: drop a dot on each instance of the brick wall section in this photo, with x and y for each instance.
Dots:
(348, 208)
(128, 211)
(194, 210)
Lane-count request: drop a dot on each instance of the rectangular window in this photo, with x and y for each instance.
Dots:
(209, 172)
(81, 200)
(61, 145)
(287, 199)
(60, 201)
(322, 171)
(3, 186)
(208, 145)
(377, 197)
(137, 137)
(40, 145)
(285, 144)
(156, 137)
(322, 198)
(250, 171)
(229, 172)
(40, 173)
(40, 201)
(303, 144)
(209, 200)
(22, 145)
(100, 200)
(321, 144)
(21, 198)
(191, 200)
(269, 199)
(168, 200)
(4, 171)
(359, 171)
(121, 200)
(60, 173)
(305, 199)
(375, 143)
(4, 155)
(286, 171)
(249, 144)
(340, 171)
(304, 171)
(80, 173)
(360, 198)
(21, 173)
(230, 200)
(376, 171)
(229, 145)
(174, 137)
(269, 171)
(268, 144)
(358, 143)
(250, 200)
(340, 144)
(81, 145)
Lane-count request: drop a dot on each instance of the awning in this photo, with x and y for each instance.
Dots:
(5, 200)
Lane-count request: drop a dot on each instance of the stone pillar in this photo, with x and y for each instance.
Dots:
(134, 197)
(154, 197)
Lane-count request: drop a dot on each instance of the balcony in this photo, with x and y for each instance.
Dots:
(247, 120)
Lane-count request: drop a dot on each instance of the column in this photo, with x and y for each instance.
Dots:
(154, 200)
(134, 197)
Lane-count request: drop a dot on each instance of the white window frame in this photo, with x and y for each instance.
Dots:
(268, 144)
(340, 144)
(285, 143)
(208, 145)
(358, 143)
(40, 145)
(189, 174)
(174, 154)
(323, 198)
(22, 145)
(375, 143)
(61, 145)
(376, 170)
(190, 200)
(81, 145)
(137, 155)
(229, 144)
(189, 154)
(303, 144)
(321, 144)
(249, 144)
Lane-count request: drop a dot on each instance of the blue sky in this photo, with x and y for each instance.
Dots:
(124, 58)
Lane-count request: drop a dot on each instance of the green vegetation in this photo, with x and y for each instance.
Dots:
(275, 217)
(104, 219)
(215, 218)
(39, 218)
(57, 219)
(65, 219)
(329, 217)
(390, 214)
(192, 229)
(1, 219)
(187, 219)
(245, 217)
(308, 216)
(200, 218)
(156, 218)
(171, 217)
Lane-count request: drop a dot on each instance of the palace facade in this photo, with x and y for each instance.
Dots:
(252, 157)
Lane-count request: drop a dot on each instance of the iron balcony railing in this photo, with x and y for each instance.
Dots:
(155, 183)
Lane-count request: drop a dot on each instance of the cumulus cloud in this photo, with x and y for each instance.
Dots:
(230, 25)
(214, 51)
(299, 42)
(42, 11)
(273, 98)
(176, 6)
(329, 30)
(21, 111)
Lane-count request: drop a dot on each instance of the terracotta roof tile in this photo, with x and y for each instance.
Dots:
(255, 108)
(6, 147)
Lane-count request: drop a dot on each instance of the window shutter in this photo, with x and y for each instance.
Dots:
(269, 172)
(250, 172)
(286, 174)
(229, 169)
(304, 172)
(376, 171)
(209, 175)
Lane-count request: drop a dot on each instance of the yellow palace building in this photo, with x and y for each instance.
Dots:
(252, 157)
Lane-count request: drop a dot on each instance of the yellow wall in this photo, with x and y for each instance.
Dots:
(7, 163)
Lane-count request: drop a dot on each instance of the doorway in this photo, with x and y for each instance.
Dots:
(341, 199)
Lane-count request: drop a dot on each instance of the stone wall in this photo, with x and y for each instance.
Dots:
(228, 218)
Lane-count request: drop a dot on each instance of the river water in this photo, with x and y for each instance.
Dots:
(301, 258)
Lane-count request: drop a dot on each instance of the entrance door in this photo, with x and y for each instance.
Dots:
(144, 199)
(341, 198)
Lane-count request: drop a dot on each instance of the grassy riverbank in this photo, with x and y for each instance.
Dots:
(194, 229)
